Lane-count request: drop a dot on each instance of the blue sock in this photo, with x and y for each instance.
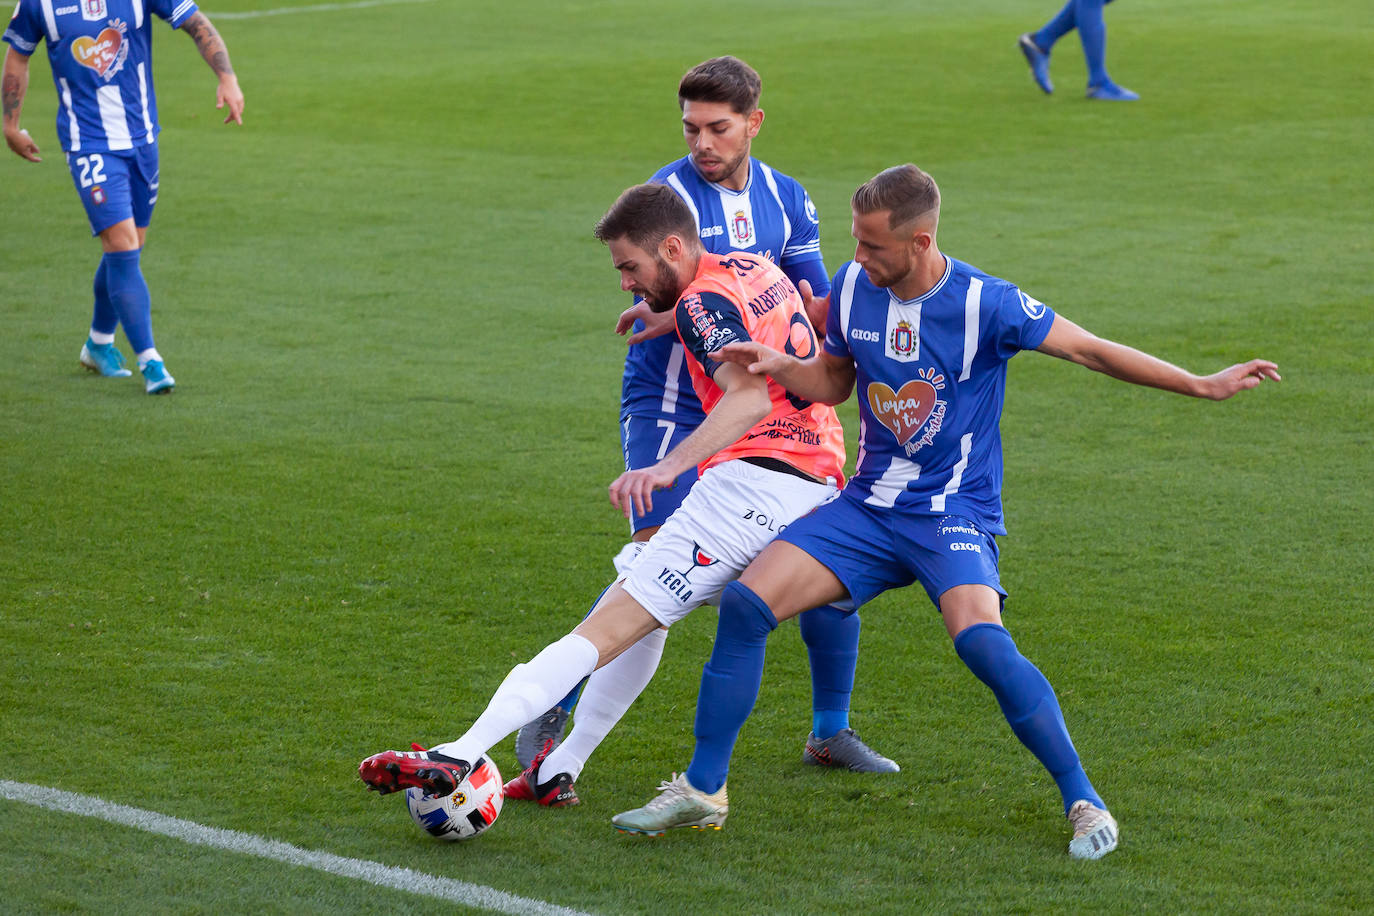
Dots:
(1092, 32)
(1056, 28)
(1028, 702)
(832, 642)
(104, 318)
(569, 701)
(129, 296)
(729, 684)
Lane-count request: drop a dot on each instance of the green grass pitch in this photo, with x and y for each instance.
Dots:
(381, 480)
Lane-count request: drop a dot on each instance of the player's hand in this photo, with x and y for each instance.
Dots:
(229, 94)
(1240, 377)
(752, 355)
(656, 324)
(816, 309)
(22, 144)
(633, 490)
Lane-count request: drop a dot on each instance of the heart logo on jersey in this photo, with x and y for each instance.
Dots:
(100, 53)
(905, 411)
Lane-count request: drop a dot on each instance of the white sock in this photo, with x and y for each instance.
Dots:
(528, 691)
(148, 354)
(608, 694)
(99, 338)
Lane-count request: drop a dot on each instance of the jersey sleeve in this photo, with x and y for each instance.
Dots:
(1023, 322)
(812, 272)
(835, 343)
(804, 241)
(174, 11)
(25, 29)
(706, 322)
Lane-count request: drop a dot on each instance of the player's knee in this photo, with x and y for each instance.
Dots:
(988, 650)
(744, 615)
(828, 628)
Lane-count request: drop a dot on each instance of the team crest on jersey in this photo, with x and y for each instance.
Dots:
(903, 341)
(915, 408)
(93, 10)
(742, 230)
(811, 213)
(98, 194)
(106, 52)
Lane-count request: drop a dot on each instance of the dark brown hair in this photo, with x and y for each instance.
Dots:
(646, 215)
(722, 79)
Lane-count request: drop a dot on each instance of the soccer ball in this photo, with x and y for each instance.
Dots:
(471, 809)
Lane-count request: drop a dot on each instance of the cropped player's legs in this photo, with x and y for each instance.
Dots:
(618, 621)
(783, 582)
(98, 353)
(1062, 24)
(832, 646)
(972, 616)
(730, 685)
(607, 696)
(1092, 32)
(125, 286)
(644, 440)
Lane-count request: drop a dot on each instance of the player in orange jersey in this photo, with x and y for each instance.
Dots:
(766, 458)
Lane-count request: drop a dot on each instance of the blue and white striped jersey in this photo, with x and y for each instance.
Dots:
(102, 65)
(931, 374)
(772, 216)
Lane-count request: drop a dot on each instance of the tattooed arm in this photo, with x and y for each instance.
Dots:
(13, 85)
(212, 48)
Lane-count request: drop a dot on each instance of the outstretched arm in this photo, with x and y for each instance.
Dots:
(743, 403)
(1067, 340)
(212, 48)
(14, 84)
(823, 378)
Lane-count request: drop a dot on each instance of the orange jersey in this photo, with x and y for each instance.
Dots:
(744, 296)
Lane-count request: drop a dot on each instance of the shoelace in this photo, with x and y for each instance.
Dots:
(1086, 819)
(669, 789)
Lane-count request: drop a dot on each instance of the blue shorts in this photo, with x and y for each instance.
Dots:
(871, 550)
(116, 186)
(645, 440)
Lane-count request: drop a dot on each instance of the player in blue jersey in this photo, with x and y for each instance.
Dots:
(926, 339)
(100, 52)
(740, 204)
(1086, 17)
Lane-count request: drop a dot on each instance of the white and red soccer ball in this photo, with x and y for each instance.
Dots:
(462, 815)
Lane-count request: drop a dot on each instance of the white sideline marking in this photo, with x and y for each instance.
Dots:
(317, 8)
(402, 879)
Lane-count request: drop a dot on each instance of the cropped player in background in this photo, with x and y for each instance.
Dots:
(927, 339)
(101, 57)
(1085, 16)
(766, 458)
(739, 204)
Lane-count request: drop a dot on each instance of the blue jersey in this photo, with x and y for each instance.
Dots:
(102, 65)
(772, 216)
(930, 377)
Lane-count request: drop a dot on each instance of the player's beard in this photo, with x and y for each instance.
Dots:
(725, 170)
(662, 294)
(886, 279)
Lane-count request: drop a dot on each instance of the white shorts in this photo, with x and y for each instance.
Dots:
(730, 515)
